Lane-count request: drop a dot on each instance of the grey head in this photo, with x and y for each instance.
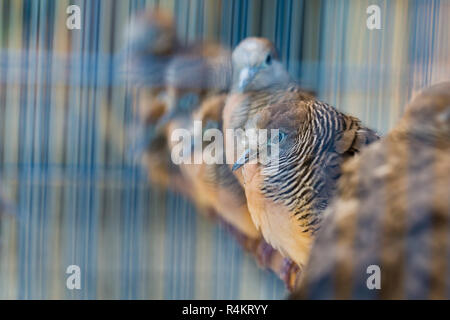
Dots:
(152, 32)
(256, 66)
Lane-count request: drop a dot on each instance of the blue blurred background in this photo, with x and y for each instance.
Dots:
(63, 111)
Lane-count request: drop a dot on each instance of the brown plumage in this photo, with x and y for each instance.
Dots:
(259, 79)
(162, 172)
(196, 73)
(214, 187)
(151, 43)
(192, 77)
(169, 80)
(392, 209)
(173, 77)
(257, 75)
(286, 201)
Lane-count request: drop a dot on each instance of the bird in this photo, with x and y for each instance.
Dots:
(257, 76)
(213, 183)
(257, 73)
(215, 187)
(195, 75)
(165, 75)
(200, 70)
(162, 172)
(151, 43)
(174, 76)
(286, 197)
(391, 212)
(173, 79)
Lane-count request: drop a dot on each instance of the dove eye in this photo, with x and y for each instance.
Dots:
(278, 138)
(268, 60)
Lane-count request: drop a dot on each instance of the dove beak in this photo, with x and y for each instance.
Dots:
(246, 157)
(246, 76)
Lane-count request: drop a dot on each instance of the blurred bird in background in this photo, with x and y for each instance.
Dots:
(392, 211)
(286, 199)
(161, 170)
(151, 45)
(156, 60)
(169, 79)
(197, 72)
(214, 184)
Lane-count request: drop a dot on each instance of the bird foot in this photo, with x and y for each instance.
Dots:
(289, 272)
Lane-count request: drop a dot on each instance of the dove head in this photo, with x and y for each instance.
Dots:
(256, 66)
(284, 124)
(152, 32)
(428, 114)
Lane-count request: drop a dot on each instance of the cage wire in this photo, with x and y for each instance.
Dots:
(81, 201)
